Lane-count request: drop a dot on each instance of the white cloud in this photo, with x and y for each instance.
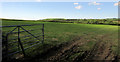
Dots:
(116, 4)
(78, 7)
(99, 8)
(76, 3)
(94, 3)
(38, 0)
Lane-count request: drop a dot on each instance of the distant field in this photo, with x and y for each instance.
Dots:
(57, 33)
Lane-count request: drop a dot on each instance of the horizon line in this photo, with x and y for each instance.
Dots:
(57, 18)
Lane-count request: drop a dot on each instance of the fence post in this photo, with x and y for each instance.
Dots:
(43, 33)
(20, 40)
(6, 46)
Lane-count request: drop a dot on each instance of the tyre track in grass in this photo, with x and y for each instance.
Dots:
(65, 51)
(62, 52)
(54, 51)
(102, 51)
(71, 49)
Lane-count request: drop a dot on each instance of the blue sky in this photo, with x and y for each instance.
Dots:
(72, 10)
(59, 0)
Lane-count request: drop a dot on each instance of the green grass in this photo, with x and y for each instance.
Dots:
(57, 33)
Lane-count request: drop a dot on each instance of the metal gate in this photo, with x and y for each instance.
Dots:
(17, 38)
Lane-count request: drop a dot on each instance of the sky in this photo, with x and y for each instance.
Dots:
(68, 10)
(59, 0)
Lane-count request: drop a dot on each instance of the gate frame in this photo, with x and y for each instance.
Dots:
(19, 41)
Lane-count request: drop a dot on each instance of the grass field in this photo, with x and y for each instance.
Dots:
(57, 33)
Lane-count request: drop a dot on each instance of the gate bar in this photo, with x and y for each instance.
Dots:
(20, 41)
